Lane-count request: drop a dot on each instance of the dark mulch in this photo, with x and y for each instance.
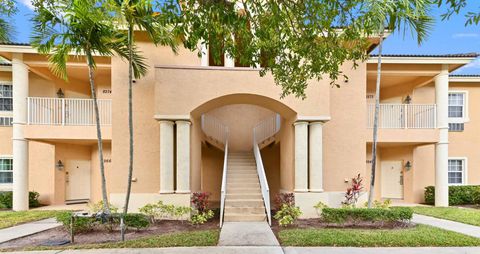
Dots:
(59, 235)
(317, 223)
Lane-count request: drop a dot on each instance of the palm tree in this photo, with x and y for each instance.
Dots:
(140, 15)
(80, 27)
(393, 16)
(7, 9)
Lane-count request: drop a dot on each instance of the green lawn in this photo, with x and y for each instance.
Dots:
(9, 218)
(421, 235)
(184, 239)
(464, 215)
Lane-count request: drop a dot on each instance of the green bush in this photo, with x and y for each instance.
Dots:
(457, 195)
(159, 211)
(287, 215)
(81, 224)
(6, 199)
(342, 215)
(136, 220)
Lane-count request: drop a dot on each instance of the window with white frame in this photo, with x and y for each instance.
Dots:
(456, 171)
(457, 110)
(6, 170)
(6, 97)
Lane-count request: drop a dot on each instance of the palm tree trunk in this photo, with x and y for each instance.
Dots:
(375, 121)
(106, 208)
(130, 118)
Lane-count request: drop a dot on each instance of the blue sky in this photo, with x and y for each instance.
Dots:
(446, 37)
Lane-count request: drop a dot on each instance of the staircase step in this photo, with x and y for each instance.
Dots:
(245, 210)
(242, 180)
(244, 217)
(244, 203)
(243, 196)
(243, 185)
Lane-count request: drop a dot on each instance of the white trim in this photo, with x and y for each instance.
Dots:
(313, 118)
(421, 60)
(6, 186)
(172, 117)
(464, 170)
(464, 79)
(466, 116)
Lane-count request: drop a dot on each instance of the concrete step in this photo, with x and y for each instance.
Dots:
(244, 203)
(244, 191)
(245, 210)
(243, 185)
(242, 175)
(243, 217)
(252, 170)
(243, 196)
(241, 180)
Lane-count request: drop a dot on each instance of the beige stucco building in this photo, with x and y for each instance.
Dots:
(185, 110)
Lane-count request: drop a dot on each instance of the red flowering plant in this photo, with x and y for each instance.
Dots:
(287, 198)
(200, 213)
(353, 192)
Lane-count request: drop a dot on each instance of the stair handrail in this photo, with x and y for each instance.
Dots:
(264, 130)
(223, 193)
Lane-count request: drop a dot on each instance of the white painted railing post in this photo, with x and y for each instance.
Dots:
(63, 114)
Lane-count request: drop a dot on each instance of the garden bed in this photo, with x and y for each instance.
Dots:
(174, 232)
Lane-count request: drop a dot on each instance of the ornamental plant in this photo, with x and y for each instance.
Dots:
(353, 192)
(201, 212)
(287, 212)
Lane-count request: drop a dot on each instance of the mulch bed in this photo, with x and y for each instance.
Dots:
(317, 223)
(58, 235)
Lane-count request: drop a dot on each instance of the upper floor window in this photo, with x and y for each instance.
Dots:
(457, 110)
(456, 171)
(6, 170)
(6, 97)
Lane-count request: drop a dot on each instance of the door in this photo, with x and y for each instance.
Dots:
(77, 177)
(392, 179)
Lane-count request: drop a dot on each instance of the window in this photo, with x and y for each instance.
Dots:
(6, 120)
(6, 99)
(456, 127)
(456, 171)
(6, 170)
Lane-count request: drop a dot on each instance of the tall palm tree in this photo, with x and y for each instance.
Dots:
(81, 27)
(398, 15)
(7, 9)
(139, 15)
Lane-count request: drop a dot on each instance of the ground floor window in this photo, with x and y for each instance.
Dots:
(6, 170)
(456, 171)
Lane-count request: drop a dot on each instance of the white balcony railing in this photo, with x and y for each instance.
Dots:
(403, 116)
(67, 111)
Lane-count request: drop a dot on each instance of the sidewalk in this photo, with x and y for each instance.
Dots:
(448, 225)
(247, 234)
(272, 250)
(27, 229)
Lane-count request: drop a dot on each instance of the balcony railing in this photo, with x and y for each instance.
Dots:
(67, 111)
(403, 116)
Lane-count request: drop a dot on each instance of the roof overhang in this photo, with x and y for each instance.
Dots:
(421, 60)
(464, 79)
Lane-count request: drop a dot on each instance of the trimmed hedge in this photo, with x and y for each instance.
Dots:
(84, 224)
(6, 199)
(457, 195)
(342, 215)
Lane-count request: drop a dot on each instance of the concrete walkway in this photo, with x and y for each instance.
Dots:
(27, 229)
(448, 225)
(271, 250)
(247, 234)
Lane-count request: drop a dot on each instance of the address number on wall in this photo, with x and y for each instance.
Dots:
(107, 90)
(107, 160)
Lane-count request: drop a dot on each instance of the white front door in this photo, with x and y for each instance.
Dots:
(392, 179)
(77, 180)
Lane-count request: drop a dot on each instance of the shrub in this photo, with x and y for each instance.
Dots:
(319, 208)
(81, 224)
(98, 207)
(353, 192)
(379, 204)
(159, 211)
(287, 212)
(6, 199)
(201, 218)
(342, 215)
(136, 220)
(457, 194)
(200, 212)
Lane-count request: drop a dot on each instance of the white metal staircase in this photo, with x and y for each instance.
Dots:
(245, 195)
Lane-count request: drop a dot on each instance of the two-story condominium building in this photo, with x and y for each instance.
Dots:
(225, 130)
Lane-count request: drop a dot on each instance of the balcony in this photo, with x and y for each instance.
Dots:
(404, 123)
(67, 118)
(63, 111)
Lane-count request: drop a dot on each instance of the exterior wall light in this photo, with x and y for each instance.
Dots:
(60, 93)
(408, 99)
(408, 165)
(59, 165)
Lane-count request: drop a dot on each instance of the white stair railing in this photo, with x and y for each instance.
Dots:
(67, 111)
(264, 130)
(223, 193)
(214, 128)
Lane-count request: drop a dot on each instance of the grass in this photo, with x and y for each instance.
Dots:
(10, 218)
(184, 239)
(463, 215)
(419, 236)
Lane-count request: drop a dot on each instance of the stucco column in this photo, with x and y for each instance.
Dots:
(441, 149)
(183, 156)
(166, 157)
(301, 156)
(20, 144)
(315, 157)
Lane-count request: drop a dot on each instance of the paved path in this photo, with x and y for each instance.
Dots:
(27, 229)
(448, 225)
(272, 250)
(247, 234)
